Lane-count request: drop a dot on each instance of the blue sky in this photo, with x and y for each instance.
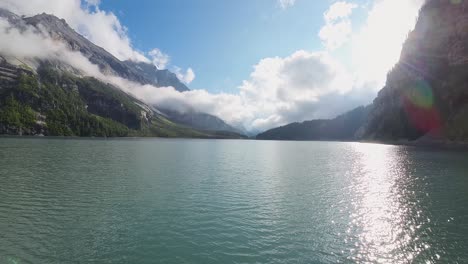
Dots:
(222, 40)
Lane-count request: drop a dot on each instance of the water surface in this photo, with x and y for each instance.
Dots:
(220, 201)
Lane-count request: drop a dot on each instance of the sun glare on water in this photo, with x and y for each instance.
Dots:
(387, 221)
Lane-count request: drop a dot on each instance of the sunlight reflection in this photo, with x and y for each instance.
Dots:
(383, 218)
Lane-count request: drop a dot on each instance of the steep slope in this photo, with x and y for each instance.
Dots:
(426, 94)
(342, 127)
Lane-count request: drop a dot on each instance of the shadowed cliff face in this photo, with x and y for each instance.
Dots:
(426, 94)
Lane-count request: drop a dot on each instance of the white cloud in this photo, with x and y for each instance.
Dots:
(186, 77)
(159, 59)
(339, 10)
(283, 90)
(337, 28)
(286, 3)
(335, 34)
(299, 87)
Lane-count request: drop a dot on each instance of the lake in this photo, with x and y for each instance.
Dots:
(227, 201)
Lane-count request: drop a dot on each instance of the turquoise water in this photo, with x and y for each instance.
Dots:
(210, 201)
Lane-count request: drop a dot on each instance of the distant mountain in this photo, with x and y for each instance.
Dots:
(201, 121)
(426, 94)
(52, 99)
(342, 127)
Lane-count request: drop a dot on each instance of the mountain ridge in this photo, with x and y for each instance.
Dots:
(342, 128)
(108, 63)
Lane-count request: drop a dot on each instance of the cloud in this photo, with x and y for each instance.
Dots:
(283, 90)
(298, 87)
(93, 2)
(337, 28)
(335, 34)
(159, 59)
(286, 3)
(339, 10)
(186, 77)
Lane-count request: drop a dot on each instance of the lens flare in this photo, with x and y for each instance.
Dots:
(421, 95)
(420, 109)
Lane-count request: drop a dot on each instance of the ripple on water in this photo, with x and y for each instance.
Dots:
(196, 201)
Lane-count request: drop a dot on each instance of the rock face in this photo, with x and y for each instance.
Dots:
(426, 94)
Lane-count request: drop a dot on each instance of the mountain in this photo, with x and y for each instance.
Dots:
(342, 128)
(163, 78)
(198, 120)
(47, 97)
(57, 103)
(141, 72)
(426, 94)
